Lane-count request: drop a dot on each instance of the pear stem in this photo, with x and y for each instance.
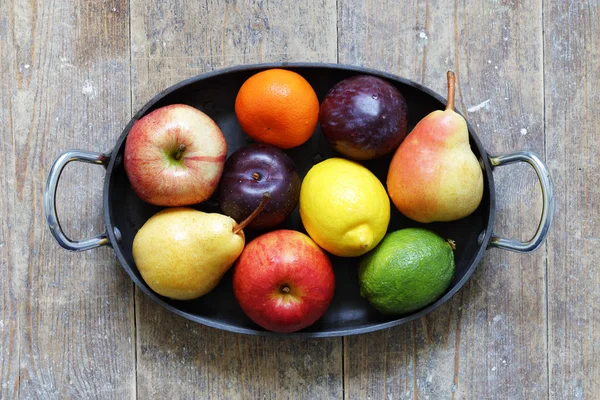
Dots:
(179, 152)
(265, 197)
(451, 90)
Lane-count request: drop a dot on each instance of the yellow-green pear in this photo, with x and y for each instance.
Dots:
(183, 253)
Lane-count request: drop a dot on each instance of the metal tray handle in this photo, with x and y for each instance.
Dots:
(50, 200)
(547, 202)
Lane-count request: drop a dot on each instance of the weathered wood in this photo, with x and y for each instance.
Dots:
(572, 82)
(67, 320)
(172, 41)
(65, 69)
(185, 360)
(9, 288)
(490, 340)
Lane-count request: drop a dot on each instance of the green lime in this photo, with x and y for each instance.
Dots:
(408, 270)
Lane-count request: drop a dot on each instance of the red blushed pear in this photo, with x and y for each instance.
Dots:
(434, 175)
(174, 156)
(283, 281)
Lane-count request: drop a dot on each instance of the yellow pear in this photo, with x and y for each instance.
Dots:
(183, 253)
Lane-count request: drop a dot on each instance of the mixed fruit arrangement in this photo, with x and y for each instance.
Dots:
(176, 156)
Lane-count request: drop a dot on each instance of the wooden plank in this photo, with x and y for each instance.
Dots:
(172, 41)
(190, 361)
(9, 322)
(490, 340)
(572, 83)
(66, 66)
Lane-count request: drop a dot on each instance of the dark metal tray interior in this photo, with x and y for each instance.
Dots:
(215, 94)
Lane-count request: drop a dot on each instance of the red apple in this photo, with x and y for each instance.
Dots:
(174, 156)
(283, 281)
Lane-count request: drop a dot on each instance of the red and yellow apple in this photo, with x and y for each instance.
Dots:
(283, 281)
(174, 156)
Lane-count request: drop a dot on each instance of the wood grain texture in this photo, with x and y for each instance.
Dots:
(65, 67)
(9, 288)
(572, 81)
(67, 321)
(185, 360)
(172, 41)
(490, 340)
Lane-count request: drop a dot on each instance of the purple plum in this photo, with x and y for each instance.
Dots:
(364, 117)
(251, 171)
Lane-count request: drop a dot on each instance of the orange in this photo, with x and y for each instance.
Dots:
(277, 107)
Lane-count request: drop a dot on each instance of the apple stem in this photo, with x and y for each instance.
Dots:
(265, 197)
(179, 152)
(451, 90)
(451, 243)
(285, 289)
(256, 176)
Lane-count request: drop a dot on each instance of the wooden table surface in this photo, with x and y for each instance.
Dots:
(525, 326)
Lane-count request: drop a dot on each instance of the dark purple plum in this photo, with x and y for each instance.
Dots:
(251, 171)
(364, 117)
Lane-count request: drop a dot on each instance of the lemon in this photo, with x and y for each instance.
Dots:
(410, 269)
(344, 207)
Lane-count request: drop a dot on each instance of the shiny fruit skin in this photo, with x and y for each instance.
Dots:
(182, 253)
(434, 175)
(277, 107)
(273, 262)
(410, 269)
(344, 207)
(364, 117)
(249, 172)
(155, 175)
